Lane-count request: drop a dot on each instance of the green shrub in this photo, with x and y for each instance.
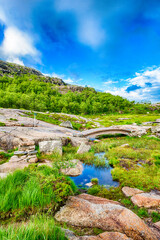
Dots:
(94, 181)
(2, 124)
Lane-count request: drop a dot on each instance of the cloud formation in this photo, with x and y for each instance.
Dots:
(16, 43)
(89, 29)
(144, 86)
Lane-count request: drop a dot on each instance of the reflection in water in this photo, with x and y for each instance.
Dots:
(102, 173)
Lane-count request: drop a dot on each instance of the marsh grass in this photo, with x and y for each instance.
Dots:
(89, 158)
(34, 187)
(145, 178)
(38, 228)
(129, 153)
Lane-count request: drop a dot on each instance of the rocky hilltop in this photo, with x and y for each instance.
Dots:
(12, 69)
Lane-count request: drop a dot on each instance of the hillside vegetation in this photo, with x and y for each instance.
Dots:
(26, 88)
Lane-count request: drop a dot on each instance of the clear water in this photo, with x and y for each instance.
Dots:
(90, 171)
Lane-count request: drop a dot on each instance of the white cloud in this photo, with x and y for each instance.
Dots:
(17, 43)
(68, 80)
(15, 60)
(149, 83)
(134, 95)
(150, 75)
(89, 30)
(109, 81)
(55, 75)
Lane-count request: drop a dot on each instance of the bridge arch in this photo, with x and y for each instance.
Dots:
(93, 133)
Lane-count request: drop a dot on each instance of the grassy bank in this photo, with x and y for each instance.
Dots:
(38, 228)
(32, 190)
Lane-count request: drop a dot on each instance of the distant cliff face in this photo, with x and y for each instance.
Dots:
(11, 69)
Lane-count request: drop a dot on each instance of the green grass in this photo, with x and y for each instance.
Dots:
(155, 216)
(114, 119)
(4, 157)
(57, 119)
(33, 188)
(2, 124)
(38, 228)
(144, 178)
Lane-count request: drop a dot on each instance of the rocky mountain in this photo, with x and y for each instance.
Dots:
(12, 69)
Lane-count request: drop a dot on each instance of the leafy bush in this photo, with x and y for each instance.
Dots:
(94, 181)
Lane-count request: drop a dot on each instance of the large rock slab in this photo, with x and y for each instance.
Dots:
(90, 211)
(129, 192)
(51, 146)
(72, 168)
(103, 236)
(107, 236)
(83, 148)
(157, 225)
(12, 166)
(156, 129)
(146, 200)
(76, 141)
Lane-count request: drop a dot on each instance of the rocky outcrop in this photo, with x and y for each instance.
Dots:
(156, 129)
(83, 148)
(72, 168)
(11, 69)
(66, 124)
(103, 236)
(107, 236)
(129, 192)
(157, 225)
(76, 141)
(12, 166)
(89, 211)
(146, 200)
(142, 199)
(51, 146)
(20, 131)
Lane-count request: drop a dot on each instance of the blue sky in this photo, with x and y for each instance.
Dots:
(113, 46)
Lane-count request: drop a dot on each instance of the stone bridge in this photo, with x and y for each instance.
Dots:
(92, 133)
(125, 130)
